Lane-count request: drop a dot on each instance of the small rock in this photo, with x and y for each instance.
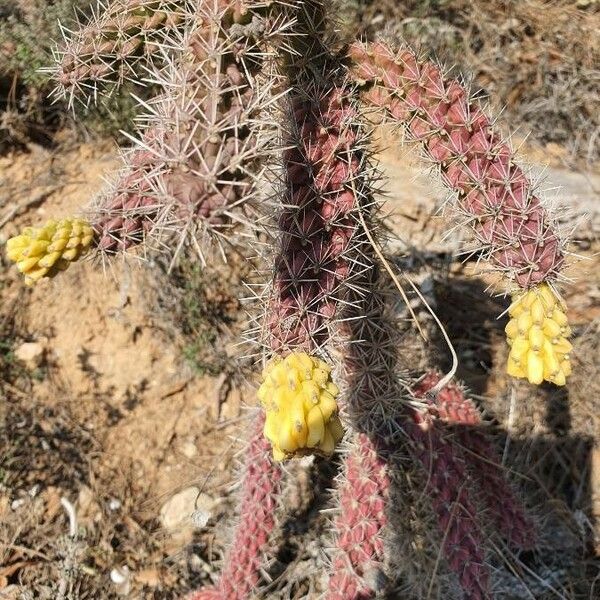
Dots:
(10, 592)
(233, 404)
(207, 508)
(88, 507)
(188, 448)
(196, 564)
(121, 577)
(178, 509)
(16, 504)
(114, 504)
(31, 353)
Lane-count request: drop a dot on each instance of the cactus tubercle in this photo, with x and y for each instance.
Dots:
(299, 398)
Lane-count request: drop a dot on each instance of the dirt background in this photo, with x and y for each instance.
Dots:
(123, 392)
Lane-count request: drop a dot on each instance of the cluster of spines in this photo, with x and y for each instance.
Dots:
(538, 333)
(44, 251)
(371, 396)
(363, 495)
(498, 201)
(325, 185)
(110, 47)
(462, 538)
(299, 399)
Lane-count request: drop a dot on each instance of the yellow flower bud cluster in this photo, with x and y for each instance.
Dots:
(299, 399)
(537, 335)
(43, 251)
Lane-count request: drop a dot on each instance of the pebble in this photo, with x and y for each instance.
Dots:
(31, 353)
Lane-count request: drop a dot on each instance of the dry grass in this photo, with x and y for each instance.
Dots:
(538, 59)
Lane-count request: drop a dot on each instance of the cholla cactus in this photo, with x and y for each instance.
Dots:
(328, 345)
(122, 36)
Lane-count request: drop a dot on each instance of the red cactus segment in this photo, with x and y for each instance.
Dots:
(359, 525)
(504, 509)
(260, 492)
(323, 168)
(447, 485)
(450, 404)
(506, 216)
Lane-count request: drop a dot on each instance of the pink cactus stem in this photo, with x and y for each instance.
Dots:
(463, 541)
(501, 505)
(260, 493)
(319, 233)
(493, 193)
(359, 525)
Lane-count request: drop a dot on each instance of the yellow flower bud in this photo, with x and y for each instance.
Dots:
(514, 368)
(44, 251)
(535, 367)
(524, 322)
(519, 348)
(536, 338)
(299, 399)
(560, 317)
(537, 334)
(316, 427)
(562, 345)
(512, 329)
(551, 328)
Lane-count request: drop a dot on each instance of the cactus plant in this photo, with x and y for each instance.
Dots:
(260, 493)
(122, 36)
(200, 164)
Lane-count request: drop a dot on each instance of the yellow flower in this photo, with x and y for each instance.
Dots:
(537, 334)
(299, 399)
(44, 251)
